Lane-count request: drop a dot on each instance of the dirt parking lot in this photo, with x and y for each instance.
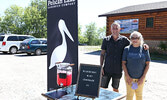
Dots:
(24, 77)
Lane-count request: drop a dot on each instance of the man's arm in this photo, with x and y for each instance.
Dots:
(102, 59)
(146, 47)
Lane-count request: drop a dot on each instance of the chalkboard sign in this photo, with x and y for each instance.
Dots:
(89, 79)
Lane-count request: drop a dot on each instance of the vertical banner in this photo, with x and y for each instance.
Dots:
(62, 37)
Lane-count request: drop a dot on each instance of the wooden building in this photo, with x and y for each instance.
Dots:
(149, 19)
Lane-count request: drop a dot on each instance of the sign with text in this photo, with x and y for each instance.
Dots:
(62, 36)
(128, 25)
(89, 80)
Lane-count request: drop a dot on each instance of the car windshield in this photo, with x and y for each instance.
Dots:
(26, 41)
(1, 38)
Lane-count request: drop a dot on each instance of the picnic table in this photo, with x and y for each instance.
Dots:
(104, 94)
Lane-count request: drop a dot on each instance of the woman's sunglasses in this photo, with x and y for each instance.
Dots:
(135, 38)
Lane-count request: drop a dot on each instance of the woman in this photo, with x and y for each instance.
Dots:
(135, 63)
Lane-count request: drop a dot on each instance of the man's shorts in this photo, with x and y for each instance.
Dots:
(115, 80)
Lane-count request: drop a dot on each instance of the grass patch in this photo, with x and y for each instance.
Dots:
(154, 56)
(157, 56)
(89, 48)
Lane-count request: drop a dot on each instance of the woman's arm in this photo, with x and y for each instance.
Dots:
(128, 78)
(140, 81)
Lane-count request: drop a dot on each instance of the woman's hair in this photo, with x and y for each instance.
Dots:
(139, 35)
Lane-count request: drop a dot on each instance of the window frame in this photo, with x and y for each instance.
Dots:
(151, 23)
(35, 43)
(12, 39)
(2, 38)
(22, 38)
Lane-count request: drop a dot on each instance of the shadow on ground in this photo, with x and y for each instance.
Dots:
(5, 54)
(94, 52)
(99, 51)
(158, 61)
(25, 55)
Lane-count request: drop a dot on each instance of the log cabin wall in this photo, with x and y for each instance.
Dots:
(158, 32)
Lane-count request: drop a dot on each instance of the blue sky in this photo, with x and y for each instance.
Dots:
(4, 4)
(88, 10)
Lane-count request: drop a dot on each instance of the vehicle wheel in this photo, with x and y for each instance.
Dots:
(38, 52)
(13, 50)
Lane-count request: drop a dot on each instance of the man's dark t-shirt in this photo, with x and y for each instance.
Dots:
(113, 56)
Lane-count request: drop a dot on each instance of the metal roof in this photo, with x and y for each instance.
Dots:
(136, 9)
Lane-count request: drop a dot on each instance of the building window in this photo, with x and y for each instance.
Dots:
(149, 22)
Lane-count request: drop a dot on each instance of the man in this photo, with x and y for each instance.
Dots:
(112, 50)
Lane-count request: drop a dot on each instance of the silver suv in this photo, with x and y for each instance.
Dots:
(11, 42)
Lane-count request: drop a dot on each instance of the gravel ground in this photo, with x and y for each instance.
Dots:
(155, 87)
(24, 77)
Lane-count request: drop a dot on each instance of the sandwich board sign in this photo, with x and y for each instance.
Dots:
(89, 79)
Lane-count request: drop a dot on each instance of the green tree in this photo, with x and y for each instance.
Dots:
(81, 38)
(94, 35)
(35, 18)
(3, 27)
(101, 34)
(91, 34)
(42, 8)
(12, 21)
(31, 20)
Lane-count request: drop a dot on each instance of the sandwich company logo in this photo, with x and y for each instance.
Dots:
(60, 3)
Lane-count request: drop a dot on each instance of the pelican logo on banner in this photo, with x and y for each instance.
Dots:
(59, 53)
(62, 29)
